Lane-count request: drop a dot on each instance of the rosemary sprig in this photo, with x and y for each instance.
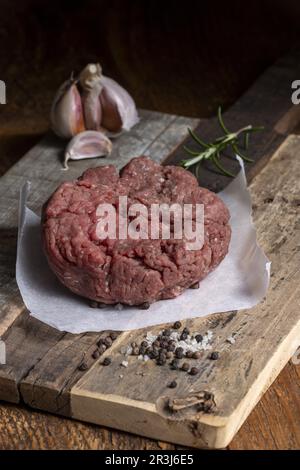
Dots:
(212, 151)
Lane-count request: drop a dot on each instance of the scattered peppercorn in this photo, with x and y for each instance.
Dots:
(196, 355)
(172, 384)
(186, 331)
(198, 338)
(194, 371)
(155, 343)
(102, 305)
(135, 351)
(183, 336)
(177, 325)
(107, 361)
(185, 366)
(144, 344)
(108, 341)
(214, 356)
(96, 354)
(167, 332)
(179, 352)
(164, 344)
(102, 348)
(114, 335)
(171, 347)
(101, 341)
(195, 286)
(144, 306)
(189, 354)
(83, 366)
(161, 360)
(154, 354)
(174, 364)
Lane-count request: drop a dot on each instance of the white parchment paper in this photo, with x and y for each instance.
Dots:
(239, 282)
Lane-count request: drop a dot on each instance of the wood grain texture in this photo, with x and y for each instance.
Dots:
(23, 428)
(45, 381)
(266, 337)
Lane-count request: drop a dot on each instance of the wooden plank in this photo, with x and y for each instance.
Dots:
(266, 337)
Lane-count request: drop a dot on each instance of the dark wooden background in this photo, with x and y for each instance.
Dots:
(183, 57)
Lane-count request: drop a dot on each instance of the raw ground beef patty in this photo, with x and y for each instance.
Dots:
(130, 271)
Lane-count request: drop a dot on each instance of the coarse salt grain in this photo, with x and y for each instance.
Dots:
(230, 340)
(124, 363)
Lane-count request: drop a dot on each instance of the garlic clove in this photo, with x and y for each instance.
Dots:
(88, 144)
(66, 112)
(90, 81)
(118, 108)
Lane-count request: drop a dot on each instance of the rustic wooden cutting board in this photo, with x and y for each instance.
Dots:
(41, 369)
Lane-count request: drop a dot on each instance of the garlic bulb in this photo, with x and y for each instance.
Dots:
(118, 108)
(88, 144)
(90, 81)
(98, 103)
(66, 112)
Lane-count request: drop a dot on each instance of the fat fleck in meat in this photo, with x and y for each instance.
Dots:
(130, 271)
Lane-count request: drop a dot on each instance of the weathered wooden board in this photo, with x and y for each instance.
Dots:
(42, 363)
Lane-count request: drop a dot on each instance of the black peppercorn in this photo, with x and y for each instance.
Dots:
(167, 332)
(172, 384)
(186, 330)
(214, 356)
(195, 286)
(189, 354)
(194, 371)
(83, 366)
(183, 336)
(179, 352)
(196, 355)
(161, 361)
(107, 361)
(174, 364)
(177, 325)
(96, 354)
(154, 354)
(114, 335)
(108, 341)
(102, 348)
(144, 344)
(185, 366)
(198, 338)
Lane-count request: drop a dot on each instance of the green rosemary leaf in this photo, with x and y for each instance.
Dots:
(191, 152)
(236, 150)
(221, 122)
(221, 168)
(197, 139)
(246, 140)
